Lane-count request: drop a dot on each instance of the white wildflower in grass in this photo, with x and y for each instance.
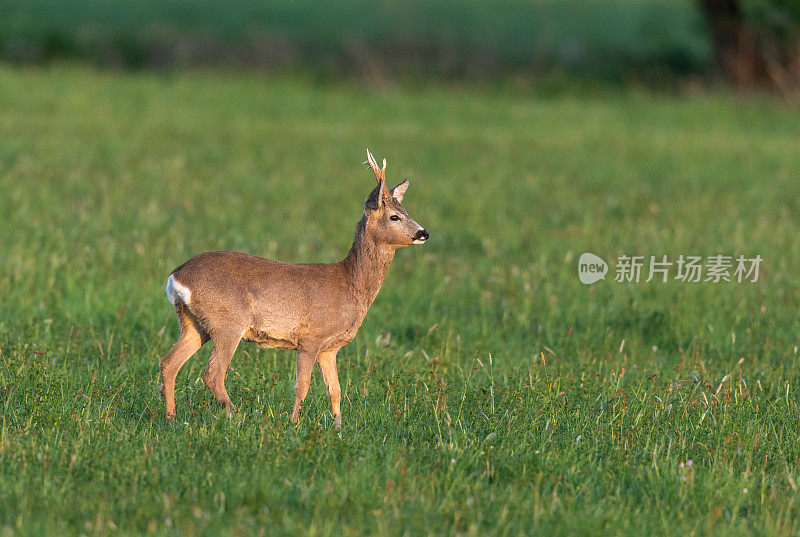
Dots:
(686, 470)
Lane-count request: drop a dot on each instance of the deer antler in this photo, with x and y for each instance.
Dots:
(380, 173)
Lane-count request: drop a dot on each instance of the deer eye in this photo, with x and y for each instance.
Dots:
(394, 217)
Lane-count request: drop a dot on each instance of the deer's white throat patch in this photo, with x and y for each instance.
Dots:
(177, 292)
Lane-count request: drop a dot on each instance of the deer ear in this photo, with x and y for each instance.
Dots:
(399, 191)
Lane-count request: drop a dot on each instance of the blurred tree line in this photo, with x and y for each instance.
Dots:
(752, 43)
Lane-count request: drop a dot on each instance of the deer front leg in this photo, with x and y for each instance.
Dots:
(305, 365)
(327, 364)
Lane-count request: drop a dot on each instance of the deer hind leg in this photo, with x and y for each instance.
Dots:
(214, 377)
(190, 341)
(327, 364)
(305, 365)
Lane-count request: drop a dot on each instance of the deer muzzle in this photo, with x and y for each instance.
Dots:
(420, 237)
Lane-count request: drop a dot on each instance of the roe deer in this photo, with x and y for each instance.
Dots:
(315, 308)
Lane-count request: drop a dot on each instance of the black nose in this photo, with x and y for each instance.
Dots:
(421, 235)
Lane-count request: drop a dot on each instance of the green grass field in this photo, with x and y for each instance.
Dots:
(488, 391)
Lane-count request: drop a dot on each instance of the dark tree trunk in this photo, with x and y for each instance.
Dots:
(736, 48)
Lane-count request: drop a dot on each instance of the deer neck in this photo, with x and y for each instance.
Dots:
(366, 264)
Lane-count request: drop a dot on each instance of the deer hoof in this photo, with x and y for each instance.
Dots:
(229, 407)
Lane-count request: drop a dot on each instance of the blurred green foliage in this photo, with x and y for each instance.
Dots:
(611, 39)
(779, 19)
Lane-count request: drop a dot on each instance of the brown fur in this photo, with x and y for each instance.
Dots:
(315, 308)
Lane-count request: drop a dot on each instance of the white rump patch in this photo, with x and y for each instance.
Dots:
(177, 292)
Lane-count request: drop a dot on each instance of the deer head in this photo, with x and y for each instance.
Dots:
(386, 220)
